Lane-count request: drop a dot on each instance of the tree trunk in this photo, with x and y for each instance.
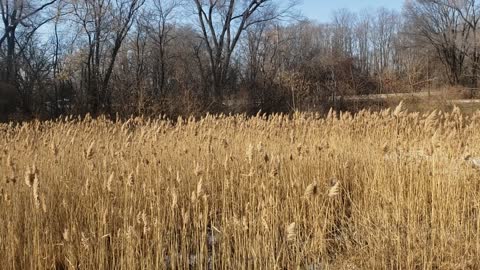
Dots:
(11, 72)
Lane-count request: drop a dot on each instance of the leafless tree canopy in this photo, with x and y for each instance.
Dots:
(183, 57)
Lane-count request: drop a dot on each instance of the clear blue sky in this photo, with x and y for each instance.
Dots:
(321, 10)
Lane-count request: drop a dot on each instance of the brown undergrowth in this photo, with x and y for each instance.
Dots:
(373, 190)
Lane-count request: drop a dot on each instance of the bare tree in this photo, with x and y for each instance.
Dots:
(385, 28)
(362, 30)
(161, 32)
(343, 22)
(438, 24)
(106, 24)
(222, 24)
(469, 11)
(15, 13)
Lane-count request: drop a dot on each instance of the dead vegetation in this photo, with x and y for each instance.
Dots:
(387, 189)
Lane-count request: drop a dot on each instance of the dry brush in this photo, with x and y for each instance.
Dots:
(373, 190)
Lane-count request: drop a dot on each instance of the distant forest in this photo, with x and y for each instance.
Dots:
(152, 57)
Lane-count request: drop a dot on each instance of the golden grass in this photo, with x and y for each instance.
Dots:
(367, 191)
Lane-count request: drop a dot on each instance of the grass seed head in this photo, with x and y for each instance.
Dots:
(36, 192)
(30, 175)
(291, 232)
(110, 181)
(311, 190)
(249, 153)
(398, 110)
(130, 179)
(90, 151)
(334, 190)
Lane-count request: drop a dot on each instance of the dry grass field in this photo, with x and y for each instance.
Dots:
(375, 190)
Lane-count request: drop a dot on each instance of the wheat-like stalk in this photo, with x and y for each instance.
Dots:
(109, 182)
(30, 175)
(90, 151)
(35, 190)
(311, 190)
(399, 109)
(235, 206)
(199, 188)
(174, 199)
(249, 153)
(334, 190)
(291, 232)
(130, 179)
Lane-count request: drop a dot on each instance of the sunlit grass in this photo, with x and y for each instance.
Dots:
(367, 191)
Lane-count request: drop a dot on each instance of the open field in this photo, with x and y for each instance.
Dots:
(443, 99)
(386, 190)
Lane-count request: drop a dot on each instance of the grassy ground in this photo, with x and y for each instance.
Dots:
(421, 103)
(370, 191)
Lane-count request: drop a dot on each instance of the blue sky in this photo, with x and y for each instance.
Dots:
(321, 10)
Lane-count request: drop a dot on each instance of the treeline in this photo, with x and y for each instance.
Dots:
(188, 57)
